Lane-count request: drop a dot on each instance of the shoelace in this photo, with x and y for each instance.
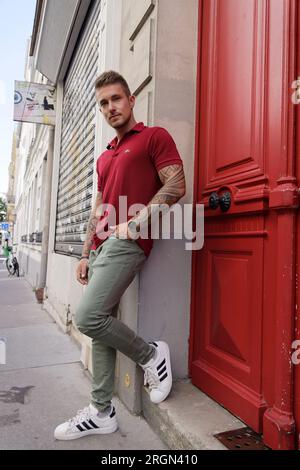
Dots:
(81, 415)
(150, 378)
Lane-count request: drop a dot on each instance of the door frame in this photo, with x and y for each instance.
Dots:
(195, 193)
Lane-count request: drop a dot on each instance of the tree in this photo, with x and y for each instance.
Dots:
(3, 209)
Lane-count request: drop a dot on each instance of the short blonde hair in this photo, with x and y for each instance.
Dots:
(111, 77)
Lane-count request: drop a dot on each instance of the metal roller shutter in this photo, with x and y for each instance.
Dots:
(75, 184)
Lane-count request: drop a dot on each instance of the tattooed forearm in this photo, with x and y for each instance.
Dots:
(92, 225)
(172, 190)
(91, 229)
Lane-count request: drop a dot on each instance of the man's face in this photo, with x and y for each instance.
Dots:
(115, 105)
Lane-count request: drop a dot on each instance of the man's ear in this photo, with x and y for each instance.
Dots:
(132, 101)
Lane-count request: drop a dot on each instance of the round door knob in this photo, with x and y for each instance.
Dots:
(214, 201)
(225, 201)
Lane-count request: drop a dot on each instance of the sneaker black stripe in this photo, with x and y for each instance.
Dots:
(112, 414)
(86, 425)
(79, 427)
(93, 424)
(163, 378)
(155, 344)
(161, 364)
(162, 370)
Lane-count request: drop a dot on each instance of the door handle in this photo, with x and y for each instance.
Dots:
(214, 201)
(224, 201)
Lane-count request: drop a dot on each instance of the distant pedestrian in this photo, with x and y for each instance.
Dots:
(6, 248)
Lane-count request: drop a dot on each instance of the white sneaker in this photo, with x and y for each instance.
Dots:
(158, 374)
(87, 422)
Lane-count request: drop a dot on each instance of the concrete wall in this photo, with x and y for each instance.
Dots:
(137, 47)
(29, 208)
(30, 264)
(166, 279)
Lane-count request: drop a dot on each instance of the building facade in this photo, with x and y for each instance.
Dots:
(30, 167)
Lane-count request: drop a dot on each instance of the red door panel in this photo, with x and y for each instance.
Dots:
(232, 78)
(228, 352)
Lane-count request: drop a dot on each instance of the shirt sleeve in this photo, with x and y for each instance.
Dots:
(163, 150)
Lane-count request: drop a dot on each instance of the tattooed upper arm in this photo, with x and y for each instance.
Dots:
(173, 176)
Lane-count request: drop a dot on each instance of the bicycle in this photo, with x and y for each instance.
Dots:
(12, 264)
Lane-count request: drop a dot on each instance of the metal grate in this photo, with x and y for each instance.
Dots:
(75, 185)
(241, 439)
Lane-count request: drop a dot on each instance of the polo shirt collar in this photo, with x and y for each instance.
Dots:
(138, 127)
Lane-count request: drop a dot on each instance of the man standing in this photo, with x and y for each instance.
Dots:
(143, 164)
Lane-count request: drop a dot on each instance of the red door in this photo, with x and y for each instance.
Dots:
(243, 281)
(296, 364)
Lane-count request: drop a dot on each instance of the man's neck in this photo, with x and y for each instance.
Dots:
(123, 130)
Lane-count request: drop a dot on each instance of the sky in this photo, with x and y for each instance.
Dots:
(16, 22)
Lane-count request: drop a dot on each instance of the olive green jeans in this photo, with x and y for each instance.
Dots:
(112, 268)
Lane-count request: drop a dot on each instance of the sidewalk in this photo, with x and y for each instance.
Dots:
(43, 382)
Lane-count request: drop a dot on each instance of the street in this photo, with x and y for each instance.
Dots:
(43, 382)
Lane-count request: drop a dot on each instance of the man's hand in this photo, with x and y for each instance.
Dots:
(121, 231)
(82, 271)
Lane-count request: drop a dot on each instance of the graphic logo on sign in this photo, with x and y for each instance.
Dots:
(17, 97)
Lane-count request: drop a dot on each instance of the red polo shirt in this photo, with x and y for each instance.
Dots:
(131, 169)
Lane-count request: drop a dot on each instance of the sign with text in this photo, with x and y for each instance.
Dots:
(34, 102)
